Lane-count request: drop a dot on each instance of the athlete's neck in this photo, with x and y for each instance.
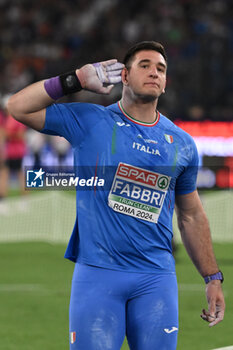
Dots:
(140, 110)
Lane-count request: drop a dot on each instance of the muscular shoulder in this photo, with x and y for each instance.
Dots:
(184, 143)
(73, 120)
(81, 108)
(181, 135)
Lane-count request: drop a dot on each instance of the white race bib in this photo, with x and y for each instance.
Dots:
(138, 192)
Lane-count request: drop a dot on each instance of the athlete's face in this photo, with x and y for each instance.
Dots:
(146, 77)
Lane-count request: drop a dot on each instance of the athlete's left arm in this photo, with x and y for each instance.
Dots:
(195, 233)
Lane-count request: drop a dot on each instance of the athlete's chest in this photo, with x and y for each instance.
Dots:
(116, 140)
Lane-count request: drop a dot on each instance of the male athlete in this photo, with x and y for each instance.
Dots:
(124, 279)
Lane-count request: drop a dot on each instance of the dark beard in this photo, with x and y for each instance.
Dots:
(147, 98)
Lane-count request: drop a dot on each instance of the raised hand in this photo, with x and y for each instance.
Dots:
(94, 76)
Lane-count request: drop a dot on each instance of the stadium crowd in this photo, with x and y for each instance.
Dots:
(40, 39)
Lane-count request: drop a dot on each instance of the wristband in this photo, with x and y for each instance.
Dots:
(61, 85)
(53, 88)
(215, 276)
(70, 83)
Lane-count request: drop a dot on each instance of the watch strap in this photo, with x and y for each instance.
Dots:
(215, 276)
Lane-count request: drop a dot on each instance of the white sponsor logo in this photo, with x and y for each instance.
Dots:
(122, 124)
(139, 147)
(147, 140)
(173, 329)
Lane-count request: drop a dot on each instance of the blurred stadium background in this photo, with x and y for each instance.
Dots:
(40, 39)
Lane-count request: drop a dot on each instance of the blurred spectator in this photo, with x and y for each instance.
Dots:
(35, 143)
(61, 148)
(2, 153)
(42, 39)
(15, 150)
(196, 113)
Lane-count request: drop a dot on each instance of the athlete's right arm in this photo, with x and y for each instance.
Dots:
(28, 106)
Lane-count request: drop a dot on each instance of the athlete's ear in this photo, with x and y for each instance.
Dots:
(164, 87)
(124, 76)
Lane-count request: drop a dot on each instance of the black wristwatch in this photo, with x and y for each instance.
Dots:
(215, 276)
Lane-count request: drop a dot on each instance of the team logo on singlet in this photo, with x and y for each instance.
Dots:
(168, 138)
(72, 337)
(138, 192)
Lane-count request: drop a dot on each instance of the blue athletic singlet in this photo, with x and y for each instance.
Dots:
(124, 280)
(127, 227)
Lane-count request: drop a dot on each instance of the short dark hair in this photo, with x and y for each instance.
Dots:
(143, 45)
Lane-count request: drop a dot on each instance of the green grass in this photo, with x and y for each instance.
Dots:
(34, 299)
(194, 333)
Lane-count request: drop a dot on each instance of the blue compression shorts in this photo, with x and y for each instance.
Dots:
(106, 305)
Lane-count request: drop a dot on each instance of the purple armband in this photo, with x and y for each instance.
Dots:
(53, 88)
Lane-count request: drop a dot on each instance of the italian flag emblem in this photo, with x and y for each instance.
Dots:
(72, 337)
(169, 138)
